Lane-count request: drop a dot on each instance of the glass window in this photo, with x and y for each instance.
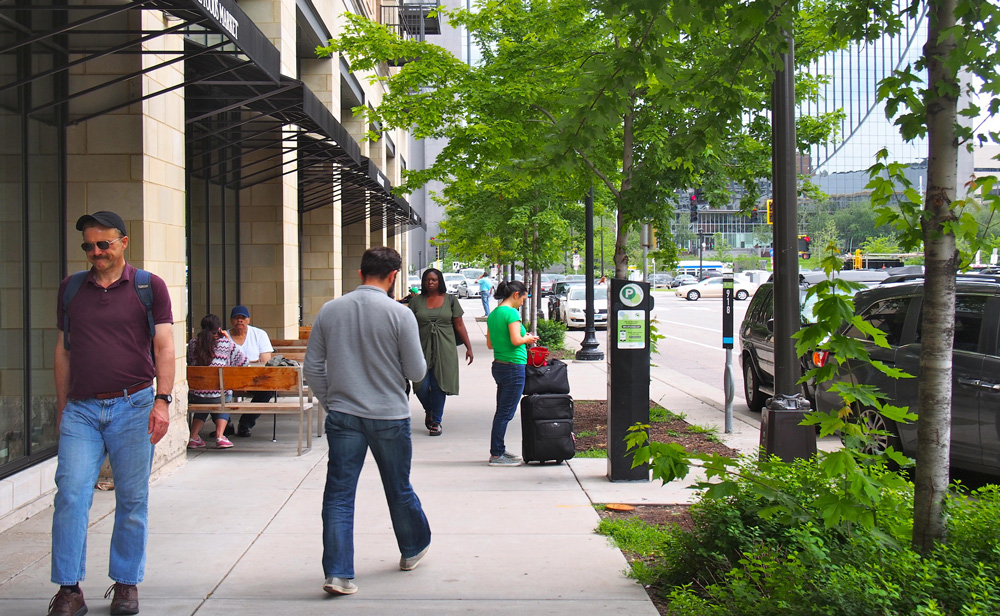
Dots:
(969, 311)
(888, 315)
(31, 246)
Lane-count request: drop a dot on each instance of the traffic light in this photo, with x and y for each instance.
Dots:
(770, 211)
(694, 208)
(753, 215)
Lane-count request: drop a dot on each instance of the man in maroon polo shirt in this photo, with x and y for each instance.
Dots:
(106, 405)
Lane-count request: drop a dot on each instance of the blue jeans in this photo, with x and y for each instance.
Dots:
(193, 399)
(485, 296)
(431, 397)
(389, 439)
(90, 429)
(510, 386)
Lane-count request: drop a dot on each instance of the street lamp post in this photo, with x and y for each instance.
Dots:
(701, 251)
(589, 350)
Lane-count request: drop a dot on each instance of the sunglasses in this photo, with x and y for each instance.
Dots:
(89, 246)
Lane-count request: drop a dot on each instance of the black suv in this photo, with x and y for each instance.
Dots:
(895, 308)
(757, 348)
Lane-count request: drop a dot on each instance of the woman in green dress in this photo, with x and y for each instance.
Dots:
(439, 317)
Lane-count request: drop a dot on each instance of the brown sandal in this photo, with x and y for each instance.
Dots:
(428, 421)
(434, 429)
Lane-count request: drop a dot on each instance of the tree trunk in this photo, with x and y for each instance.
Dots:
(621, 239)
(940, 263)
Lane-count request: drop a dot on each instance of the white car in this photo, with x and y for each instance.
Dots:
(467, 288)
(451, 282)
(573, 310)
(712, 287)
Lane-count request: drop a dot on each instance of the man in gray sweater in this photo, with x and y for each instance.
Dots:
(363, 348)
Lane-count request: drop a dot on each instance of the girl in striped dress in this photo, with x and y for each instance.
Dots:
(212, 347)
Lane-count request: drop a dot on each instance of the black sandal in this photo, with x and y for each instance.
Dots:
(428, 421)
(434, 429)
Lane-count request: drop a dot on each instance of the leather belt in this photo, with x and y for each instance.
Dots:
(128, 391)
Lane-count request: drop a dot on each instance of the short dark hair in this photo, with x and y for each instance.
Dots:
(379, 262)
(508, 288)
(423, 281)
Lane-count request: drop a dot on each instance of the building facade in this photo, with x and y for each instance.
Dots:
(226, 144)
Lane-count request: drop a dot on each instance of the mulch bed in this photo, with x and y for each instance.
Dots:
(592, 416)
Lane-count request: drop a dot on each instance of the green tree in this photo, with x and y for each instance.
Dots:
(638, 97)
(962, 40)
(722, 249)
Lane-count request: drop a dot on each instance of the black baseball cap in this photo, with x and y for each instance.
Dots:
(103, 218)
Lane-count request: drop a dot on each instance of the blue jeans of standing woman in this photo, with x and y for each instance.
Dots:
(350, 437)
(431, 396)
(510, 386)
(485, 296)
(89, 430)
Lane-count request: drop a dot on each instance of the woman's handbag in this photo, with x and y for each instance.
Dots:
(551, 378)
(537, 355)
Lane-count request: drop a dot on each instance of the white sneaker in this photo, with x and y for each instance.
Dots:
(409, 564)
(340, 586)
(504, 461)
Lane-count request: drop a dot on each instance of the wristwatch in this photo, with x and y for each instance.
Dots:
(165, 397)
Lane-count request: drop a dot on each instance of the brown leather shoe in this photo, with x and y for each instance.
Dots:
(67, 603)
(125, 601)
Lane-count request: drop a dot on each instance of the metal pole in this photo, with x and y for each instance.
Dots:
(589, 349)
(730, 388)
(786, 259)
(781, 431)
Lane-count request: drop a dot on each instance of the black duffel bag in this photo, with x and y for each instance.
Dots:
(548, 379)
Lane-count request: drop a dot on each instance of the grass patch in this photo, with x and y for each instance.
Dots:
(673, 433)
(658, 414)
(586, 433)
(592, 453)
(710, 434)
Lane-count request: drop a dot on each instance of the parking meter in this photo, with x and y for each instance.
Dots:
(630, 303)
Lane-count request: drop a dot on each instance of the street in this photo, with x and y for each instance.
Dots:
(690, 356)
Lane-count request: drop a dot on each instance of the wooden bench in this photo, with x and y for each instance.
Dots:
(286, 380)
(304, 331)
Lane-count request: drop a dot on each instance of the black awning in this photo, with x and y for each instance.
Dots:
(243, 130)
(71, 35)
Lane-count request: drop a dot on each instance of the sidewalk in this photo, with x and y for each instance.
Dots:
(239, 531)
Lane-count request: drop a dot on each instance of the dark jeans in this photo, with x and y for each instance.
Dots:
(350, 437)
(249, 420)
(431, 397)
(510, 386)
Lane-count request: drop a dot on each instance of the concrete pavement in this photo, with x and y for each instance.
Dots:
(239, 531)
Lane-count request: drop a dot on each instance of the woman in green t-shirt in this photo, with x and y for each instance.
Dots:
(506, 336)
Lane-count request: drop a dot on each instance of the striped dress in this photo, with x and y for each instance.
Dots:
(226, 354)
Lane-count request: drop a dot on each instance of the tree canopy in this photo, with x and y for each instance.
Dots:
(642, 98)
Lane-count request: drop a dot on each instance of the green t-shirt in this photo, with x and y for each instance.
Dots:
(498, 325)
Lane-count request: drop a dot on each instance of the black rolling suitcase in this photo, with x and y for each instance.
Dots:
(547, 428)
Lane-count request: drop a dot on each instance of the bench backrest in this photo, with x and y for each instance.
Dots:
(289, 343)
(304, 331)
(245, 378)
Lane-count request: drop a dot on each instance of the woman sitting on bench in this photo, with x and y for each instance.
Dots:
(212, 347)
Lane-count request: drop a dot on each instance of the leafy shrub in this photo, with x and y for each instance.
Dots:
(551, 334)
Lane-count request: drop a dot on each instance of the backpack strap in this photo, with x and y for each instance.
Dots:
(74, 284)
(144, 289)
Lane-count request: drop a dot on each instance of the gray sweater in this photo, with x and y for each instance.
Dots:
(363, 348)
